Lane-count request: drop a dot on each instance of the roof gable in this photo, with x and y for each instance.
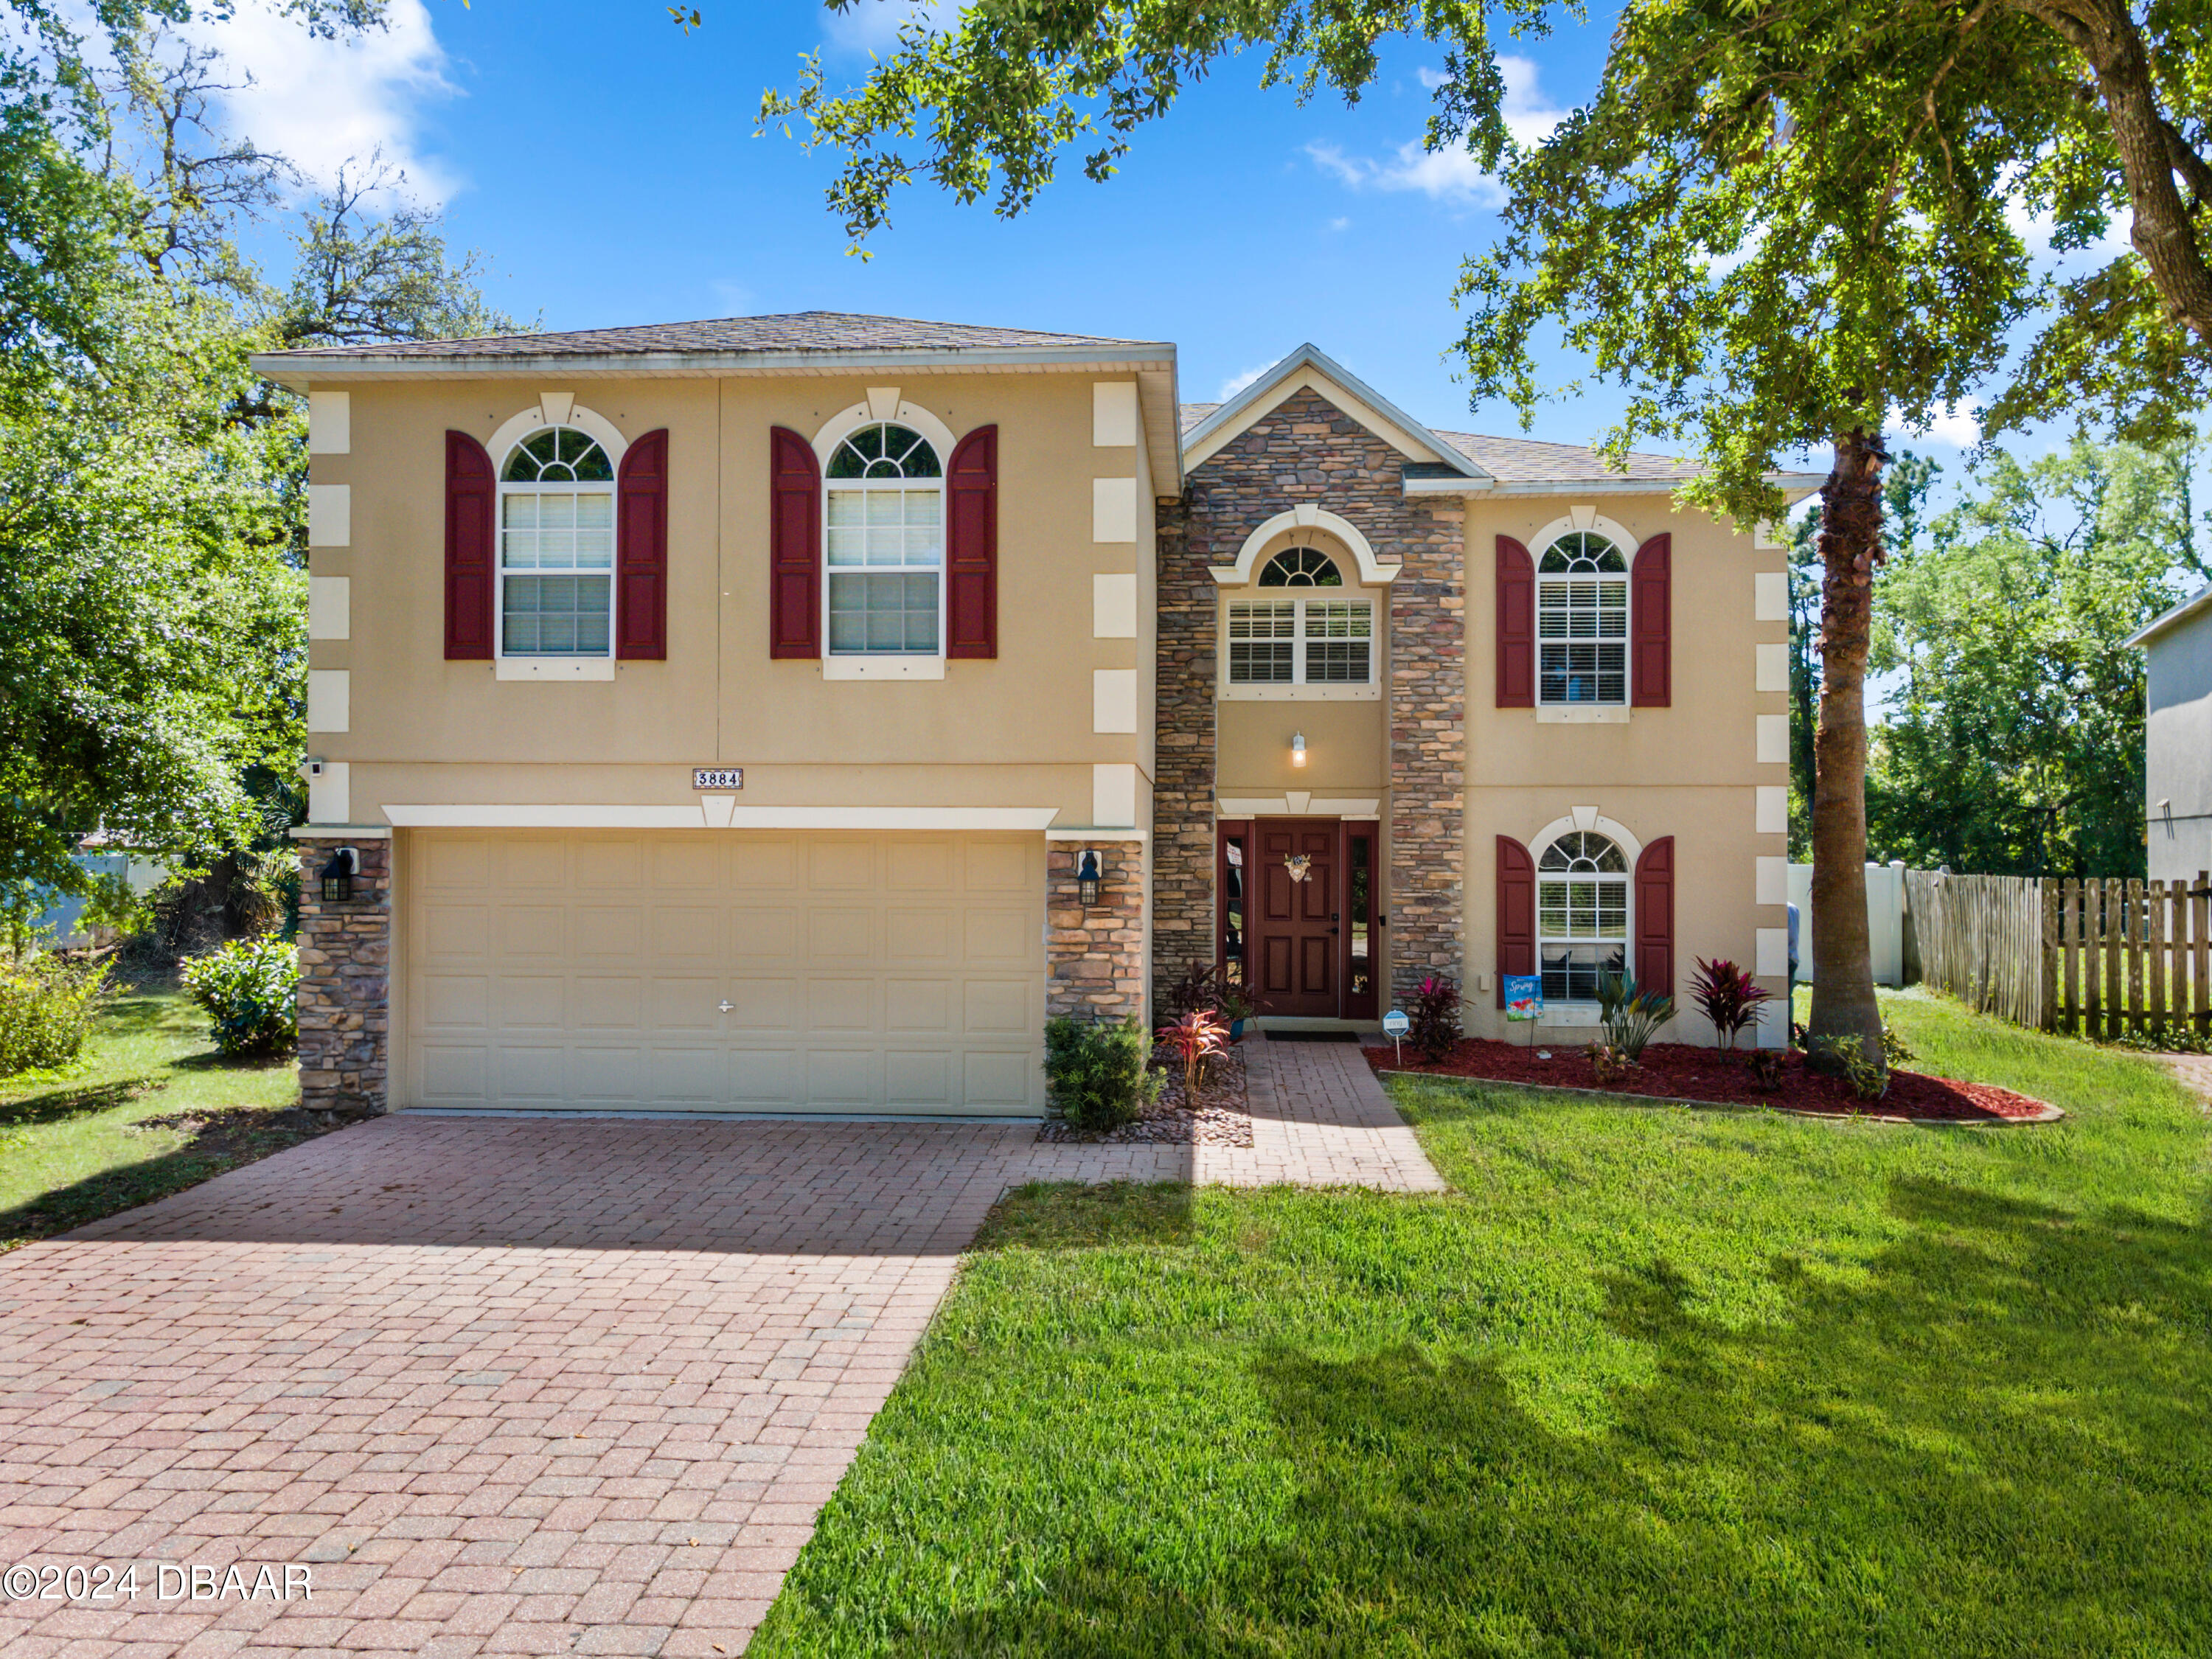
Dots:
(1309, 368)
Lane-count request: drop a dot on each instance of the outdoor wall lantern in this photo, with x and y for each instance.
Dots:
(1090, 875)
(1297, 749)
(338, 874)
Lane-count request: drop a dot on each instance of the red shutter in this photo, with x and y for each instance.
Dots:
(794, 594)
(471, 491)
(1655, 917)
(1517, 907)
(1516, 628)
(971, 552)
(1650, 624)
(641, 550)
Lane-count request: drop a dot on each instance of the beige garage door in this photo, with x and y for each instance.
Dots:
(718, 970)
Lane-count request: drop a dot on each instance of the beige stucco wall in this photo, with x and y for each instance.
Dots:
(1012, 732)
(1689, 771)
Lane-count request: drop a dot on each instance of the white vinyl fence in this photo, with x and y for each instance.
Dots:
(1885, 920)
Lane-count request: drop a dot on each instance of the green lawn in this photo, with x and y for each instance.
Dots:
(77, 1145)
(1650, 1381)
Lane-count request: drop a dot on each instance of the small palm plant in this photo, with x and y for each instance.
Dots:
(1729, 996)
(1631, 1018)
(1191, 1039)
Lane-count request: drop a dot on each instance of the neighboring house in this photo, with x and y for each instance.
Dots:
(2177, 740)
(728, 715)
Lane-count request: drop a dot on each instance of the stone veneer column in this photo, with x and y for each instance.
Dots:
(1182, 786)
(1095, 956)
(345, 985)
(1428, 765)
(1306, 450)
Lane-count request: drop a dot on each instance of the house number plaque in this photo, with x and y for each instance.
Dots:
(718, 778)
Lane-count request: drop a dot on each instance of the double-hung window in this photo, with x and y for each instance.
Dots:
(1582, 915)
(885, 519)
(556, 547)
(1293, 640)
(1582, 621)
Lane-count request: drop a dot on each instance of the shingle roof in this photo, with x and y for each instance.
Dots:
(1517, 460)
(1531, 460)
(799, 331)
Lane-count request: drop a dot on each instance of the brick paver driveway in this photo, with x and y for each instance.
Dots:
(502, 1386)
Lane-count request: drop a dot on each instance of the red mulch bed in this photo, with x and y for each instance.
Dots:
(1675, 1071)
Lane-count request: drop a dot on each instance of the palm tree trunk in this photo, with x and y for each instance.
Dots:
(1851, 548)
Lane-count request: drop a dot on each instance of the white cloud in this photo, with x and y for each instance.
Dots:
(1340, 224)
(1451, 175)
(1237, 383)
(873, 26)
(322, 103)
(1431, 78)
(1955, 426)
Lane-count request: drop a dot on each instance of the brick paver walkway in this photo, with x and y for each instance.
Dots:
(530, 1386)
(2195, 1070)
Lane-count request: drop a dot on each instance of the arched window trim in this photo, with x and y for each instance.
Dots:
(882, 408)
(1309, 631)
(1630, 850)
(510, 435)
(539, 417)
(1373, 572)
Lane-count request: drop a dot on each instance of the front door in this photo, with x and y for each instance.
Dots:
(1295, 932)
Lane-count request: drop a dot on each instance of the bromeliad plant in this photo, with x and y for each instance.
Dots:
(1727, 996)
(1191, 1039)
(1631, 1018)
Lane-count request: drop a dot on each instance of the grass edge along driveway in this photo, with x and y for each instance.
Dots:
(1650, 1380)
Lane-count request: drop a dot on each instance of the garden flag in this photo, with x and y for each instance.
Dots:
(1524, 996)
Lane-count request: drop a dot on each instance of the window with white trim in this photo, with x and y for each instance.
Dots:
(556, 546)
(884, 516)
(1581, 914)
(1323, 641)
(1582, 621)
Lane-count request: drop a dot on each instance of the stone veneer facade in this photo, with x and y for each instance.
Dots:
(1094, 954)
(1306, 450)
(345, 981)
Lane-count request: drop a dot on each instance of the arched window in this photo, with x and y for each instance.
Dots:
(1301, 567)
(885, 519)
(1582, 621)
(1291, 642)
(556, 546)
(1581, 914)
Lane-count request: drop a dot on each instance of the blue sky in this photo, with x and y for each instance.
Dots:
(607, 164)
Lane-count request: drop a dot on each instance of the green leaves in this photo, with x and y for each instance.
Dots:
(2016, 745)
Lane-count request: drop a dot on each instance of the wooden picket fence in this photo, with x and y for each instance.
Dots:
(2127, 955)
(1979, 937)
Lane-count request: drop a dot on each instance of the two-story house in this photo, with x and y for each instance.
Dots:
(792, 713)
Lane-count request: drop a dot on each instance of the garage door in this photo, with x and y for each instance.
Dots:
(718, 970)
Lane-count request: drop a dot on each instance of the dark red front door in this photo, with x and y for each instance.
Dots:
(1295, 935)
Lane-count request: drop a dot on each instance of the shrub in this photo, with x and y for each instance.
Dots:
(1609, 1063)
(1190, 1040)
(1765, 1070)
(1631, 1018)
(1433, 1019)
(47, 1009)
(1097, 1073)
(1729, 996)
(246, 990)
(1847, 1055)
(1197, 991)
(1895, 1050)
